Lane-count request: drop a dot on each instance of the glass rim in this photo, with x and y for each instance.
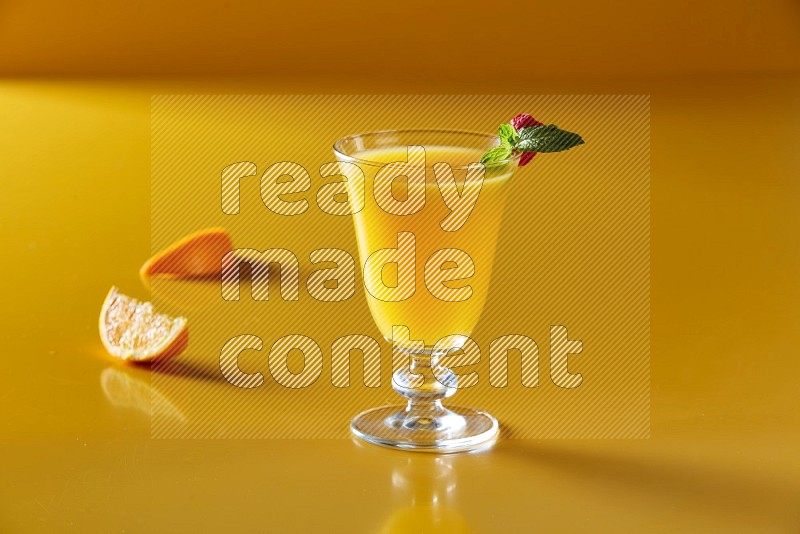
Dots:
(339, 152)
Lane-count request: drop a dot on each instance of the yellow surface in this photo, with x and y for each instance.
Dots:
(725, 265)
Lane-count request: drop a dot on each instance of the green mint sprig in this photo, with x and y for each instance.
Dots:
(541, 138)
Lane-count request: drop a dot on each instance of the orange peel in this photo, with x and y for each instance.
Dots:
(198, 255)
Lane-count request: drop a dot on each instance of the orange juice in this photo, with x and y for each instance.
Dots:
(429, 318)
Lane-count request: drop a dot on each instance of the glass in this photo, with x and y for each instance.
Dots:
(424, 423)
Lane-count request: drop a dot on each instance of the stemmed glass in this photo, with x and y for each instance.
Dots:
(441, 326)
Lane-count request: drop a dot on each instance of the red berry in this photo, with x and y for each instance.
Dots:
(526, 158)
(523, 120)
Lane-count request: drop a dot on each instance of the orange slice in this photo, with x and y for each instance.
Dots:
(133, 331)
(198, 255)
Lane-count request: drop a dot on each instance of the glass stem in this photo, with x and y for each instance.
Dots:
(424, 384)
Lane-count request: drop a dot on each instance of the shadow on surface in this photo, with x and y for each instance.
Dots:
(689, 483)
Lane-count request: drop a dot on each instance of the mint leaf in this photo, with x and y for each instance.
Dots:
(498, 153)
(548, 138)
(530, 132)
(508, 135)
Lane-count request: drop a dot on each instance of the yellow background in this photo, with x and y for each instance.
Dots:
(74, 154)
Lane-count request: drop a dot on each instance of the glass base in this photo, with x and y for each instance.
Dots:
(452, 430)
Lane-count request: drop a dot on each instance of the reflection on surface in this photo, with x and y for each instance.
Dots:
(129, 388)
(427, 484)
